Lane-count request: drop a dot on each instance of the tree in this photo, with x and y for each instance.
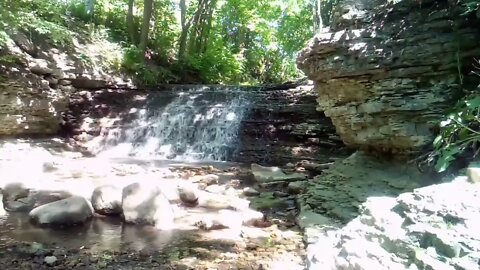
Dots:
(317, 16)
(130, 22)
(90, 4)
(184, 31)
(147, 16)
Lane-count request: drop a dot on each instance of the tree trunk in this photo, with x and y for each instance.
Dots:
(147, 15)
(317, 17)
(131, 23)
(90, 5)
(185, 26)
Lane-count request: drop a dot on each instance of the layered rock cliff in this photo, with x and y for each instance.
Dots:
(385, 72)
(37, 79)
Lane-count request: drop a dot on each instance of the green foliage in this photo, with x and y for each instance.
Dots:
(242, 41)
(470, 5)
(134, 63)
(460, 132)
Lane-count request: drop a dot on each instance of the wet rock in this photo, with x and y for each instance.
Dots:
(16, 198)
(222, 220)
(14, 191)
(219, 201)
(274, 174)
(209, 179)
(69, 211)
(249, 191)
(50, 260)
(314, 167)
(20, 205)
(296, 187)
(49, 166)
(188, 195)
(266, 201)
(251, 217)
(215, 189)
(146, 204)
(107, 200)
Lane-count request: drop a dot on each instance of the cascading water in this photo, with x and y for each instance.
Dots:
(193, 125)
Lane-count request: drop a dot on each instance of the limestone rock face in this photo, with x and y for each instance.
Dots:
(385, 72)
(424, 229)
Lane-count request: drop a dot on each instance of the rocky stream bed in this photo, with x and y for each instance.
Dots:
(214, 226)
(353, 213)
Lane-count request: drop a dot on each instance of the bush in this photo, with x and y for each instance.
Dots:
(459, 133)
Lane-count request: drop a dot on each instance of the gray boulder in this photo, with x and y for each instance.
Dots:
(274, 174)
(14, 191)
(69, 211)
(16, 198)
(107, 200)
(188, 195)
(145, 204)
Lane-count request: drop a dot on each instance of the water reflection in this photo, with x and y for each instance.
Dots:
(98, 234)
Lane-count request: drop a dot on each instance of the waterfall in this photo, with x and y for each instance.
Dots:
(190, 125)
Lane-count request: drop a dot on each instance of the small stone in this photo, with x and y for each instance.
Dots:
(249, 191)
(210, 179)
(280, 194)
(50, 260)
(274, 174)
(296, 187)
(215, 189)
(473, 174)
(49, 167)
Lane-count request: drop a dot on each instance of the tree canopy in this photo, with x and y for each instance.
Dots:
(212, 41)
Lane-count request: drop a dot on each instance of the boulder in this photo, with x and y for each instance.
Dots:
(107, 200)
(145, 204)
(296, 187)
(14, 191)
(69, 211)
(274, 174)
(24, 43)
(188, 194)
(40, 67)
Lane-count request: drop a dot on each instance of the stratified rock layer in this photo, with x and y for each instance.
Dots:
(386, 72)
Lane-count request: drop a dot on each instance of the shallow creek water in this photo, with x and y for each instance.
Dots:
(48, 167)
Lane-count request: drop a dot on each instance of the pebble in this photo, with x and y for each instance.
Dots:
(50, 260)
(249, 191)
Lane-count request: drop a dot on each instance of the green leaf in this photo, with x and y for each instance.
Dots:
(473, 103)
(438, 141)
(446, 157)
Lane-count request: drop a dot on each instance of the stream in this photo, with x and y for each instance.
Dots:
(166, 142)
